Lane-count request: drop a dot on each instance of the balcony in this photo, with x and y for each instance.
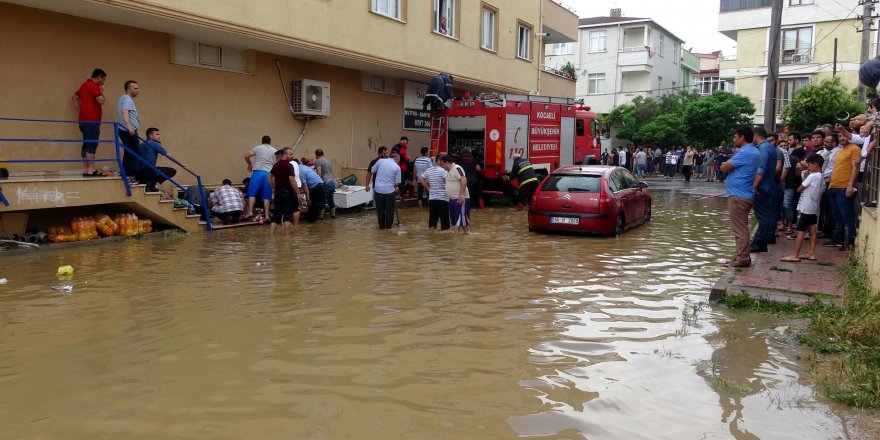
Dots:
(794, 56)
(560, 22)
(635, 59)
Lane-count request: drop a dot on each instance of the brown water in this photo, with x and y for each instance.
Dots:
(342, 331)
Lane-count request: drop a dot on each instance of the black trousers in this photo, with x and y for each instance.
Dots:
(527, 191)
(316, 202)
(686, 170)
(438, 210)
(385, 206)
(826, 219)
(129, 163)
(149, 177)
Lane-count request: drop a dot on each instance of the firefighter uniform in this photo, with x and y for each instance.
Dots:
(528, 181)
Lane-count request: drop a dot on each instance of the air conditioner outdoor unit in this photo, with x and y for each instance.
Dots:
(311, 98)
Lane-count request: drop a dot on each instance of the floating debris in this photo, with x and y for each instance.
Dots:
(66, 288)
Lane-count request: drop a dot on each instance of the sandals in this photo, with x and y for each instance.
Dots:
(807, 258)
(790, 259)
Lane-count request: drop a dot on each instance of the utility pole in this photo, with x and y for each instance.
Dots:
(773, 67)
(867, 25)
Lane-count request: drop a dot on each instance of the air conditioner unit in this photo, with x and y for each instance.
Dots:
(799, 58)
(311, 98)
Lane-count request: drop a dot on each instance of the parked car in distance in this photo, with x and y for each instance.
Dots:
(594, 199)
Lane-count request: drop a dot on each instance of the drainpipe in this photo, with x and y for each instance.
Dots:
(541, 39)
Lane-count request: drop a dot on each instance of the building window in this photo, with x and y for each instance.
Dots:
(560, 49)
(489, 31)
(660, 48)
(659, 84)
(674, 86)
(787, 89)
(736, 5)
(524, 41)
(444, 17)
(378, 84)
(388, 8)
(199, 54)
(599, 41)
(596, 83)
(708, 85)
(676, 54)
(801, 2)
(797, 45)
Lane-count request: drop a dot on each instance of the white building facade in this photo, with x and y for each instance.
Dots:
(619, 58)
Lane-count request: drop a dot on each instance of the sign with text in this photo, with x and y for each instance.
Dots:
(544, 130)
(417, 120)
(414, 118)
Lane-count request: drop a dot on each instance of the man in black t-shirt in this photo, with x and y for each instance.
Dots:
(371, 179)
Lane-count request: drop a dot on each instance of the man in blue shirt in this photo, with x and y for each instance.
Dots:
(150, 151)
(741, 170)
(313, 187)
(387, 174)
(764, 187)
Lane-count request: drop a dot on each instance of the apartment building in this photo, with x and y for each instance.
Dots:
(708, 80)
(618, 58)
(216, 76)
(809, 31)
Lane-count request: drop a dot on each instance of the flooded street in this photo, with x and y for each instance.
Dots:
(342, 331)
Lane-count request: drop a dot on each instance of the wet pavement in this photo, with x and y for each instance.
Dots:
(344, 331)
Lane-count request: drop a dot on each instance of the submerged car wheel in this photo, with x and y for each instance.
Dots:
(619, 226)
(648, 213)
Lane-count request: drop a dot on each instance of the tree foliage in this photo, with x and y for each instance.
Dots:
(821, 103)
(710, 122)
(680, 119)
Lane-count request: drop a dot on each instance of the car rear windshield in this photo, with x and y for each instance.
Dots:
(572, 183)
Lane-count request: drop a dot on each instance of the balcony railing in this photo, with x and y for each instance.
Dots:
(557, 72)
(871, 180)
(794, 56)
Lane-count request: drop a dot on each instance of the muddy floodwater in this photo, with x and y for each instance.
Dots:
(342, 331)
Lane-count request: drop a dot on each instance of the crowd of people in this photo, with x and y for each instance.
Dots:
(688, 161)
(802, 189)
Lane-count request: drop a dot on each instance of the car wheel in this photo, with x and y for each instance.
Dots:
(619, 226)
(648, 213)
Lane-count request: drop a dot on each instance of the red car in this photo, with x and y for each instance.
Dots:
(595, 199)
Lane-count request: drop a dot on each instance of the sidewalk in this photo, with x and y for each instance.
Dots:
(771, 279)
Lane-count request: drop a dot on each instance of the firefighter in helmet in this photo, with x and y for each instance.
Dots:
(522, 171)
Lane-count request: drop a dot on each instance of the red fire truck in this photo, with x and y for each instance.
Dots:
(549, 132)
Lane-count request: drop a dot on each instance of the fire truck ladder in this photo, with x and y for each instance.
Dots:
(437, 131)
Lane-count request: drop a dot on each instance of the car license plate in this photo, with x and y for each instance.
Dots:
(564, 220)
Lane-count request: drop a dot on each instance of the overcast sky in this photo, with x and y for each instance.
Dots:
(695, 21)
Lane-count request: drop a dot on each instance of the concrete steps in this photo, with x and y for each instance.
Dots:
(40, 195)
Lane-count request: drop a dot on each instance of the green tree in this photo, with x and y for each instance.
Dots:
(665, 131)
(821, 103)
(628, 119)
(710, 121)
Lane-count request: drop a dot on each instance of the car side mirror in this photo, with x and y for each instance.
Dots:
(643, 185)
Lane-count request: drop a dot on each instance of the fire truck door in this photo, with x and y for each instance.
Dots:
(566, 142)
(516, 140)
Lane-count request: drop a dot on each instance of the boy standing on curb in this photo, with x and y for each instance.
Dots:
(811, 195)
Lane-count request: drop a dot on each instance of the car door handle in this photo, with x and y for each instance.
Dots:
(566, 206)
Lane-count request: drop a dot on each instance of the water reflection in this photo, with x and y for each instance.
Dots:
(350, 332)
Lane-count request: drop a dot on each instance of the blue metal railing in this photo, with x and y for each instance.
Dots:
(119, 147)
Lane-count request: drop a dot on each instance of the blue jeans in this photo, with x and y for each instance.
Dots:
(766, 218)
(778, 195)
(329, 189)
(842, 208)
(640, 170)
(787, 208)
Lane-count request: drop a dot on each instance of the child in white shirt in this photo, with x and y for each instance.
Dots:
(811, 194)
